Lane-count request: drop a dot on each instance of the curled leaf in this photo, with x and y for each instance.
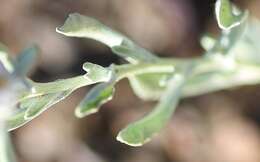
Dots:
(78, 25)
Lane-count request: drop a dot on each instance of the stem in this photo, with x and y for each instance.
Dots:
(201, 65)
(123, 71)
(6, 150)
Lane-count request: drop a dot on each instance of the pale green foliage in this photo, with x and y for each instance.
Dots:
(230, 60)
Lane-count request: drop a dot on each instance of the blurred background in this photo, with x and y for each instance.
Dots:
(217, 127)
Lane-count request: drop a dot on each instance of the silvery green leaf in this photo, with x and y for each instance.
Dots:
(44, 95)
(96, 97)
(140, 132)
(78, 25)
(25, 60)
(227, 15)
(151, 85)
(29, 108)
(36, 105)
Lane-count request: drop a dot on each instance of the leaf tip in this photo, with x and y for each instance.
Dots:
(121, 138)
(223, 15)
(69, 23)
(228, 16)
(59, 30)
(133, 135)
(81, 114)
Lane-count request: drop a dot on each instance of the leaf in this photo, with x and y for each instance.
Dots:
(227, 16)
(25, 60)
(58, 86)
(97, 96)
(17, 120)
(140, 132)
(78, 25)
(30, 108)
(44, 95)
(149, 86)
(36, 105)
